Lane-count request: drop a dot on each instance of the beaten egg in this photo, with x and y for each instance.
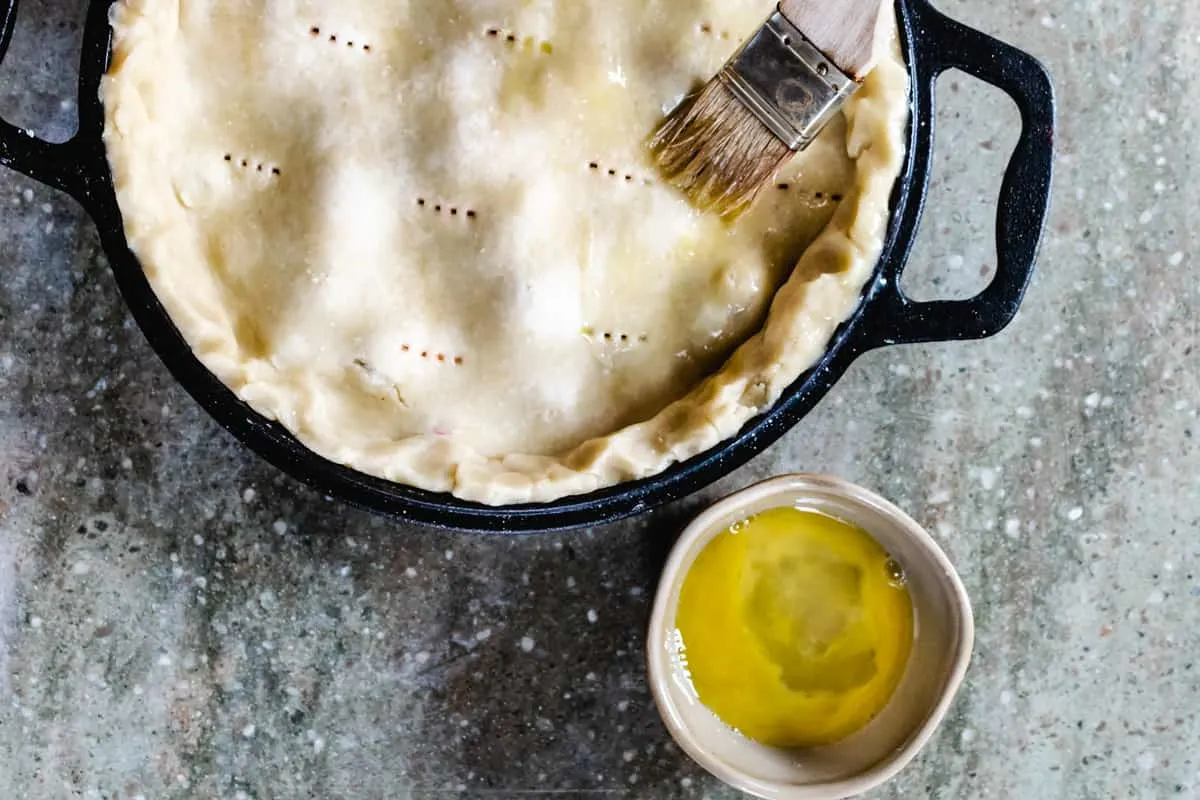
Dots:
(796, 627)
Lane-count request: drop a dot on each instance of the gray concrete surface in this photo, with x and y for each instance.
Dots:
(179, 620)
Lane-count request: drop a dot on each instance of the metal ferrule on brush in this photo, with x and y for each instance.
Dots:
(785, 81)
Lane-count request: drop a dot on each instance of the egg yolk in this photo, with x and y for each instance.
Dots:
(796, 627)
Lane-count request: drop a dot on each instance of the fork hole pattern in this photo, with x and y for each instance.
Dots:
(431, 355)
(315, 32)
(248, 165)
(513, 41)
(822, 196)
(707, 29)
(615, 337)
(615, 174)
(448, 210)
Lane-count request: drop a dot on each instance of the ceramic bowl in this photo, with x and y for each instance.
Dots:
(944, 633)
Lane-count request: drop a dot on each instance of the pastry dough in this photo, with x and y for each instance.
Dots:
(427, 237)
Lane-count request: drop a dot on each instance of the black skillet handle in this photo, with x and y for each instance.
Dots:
(944, 44)
(68, 166)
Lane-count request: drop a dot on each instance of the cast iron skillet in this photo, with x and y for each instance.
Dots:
(932, 43)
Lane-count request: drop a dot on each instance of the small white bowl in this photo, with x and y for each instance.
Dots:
(943, 634)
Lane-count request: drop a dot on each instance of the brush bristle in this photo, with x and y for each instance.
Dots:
(716, 151)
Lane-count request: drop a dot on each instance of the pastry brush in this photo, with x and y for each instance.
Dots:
(768, 102)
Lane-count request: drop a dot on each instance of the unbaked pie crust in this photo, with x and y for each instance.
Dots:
(427, 238)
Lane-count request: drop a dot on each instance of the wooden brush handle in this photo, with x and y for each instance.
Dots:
(844, 30)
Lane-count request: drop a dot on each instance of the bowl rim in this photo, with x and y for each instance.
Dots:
(706, 526)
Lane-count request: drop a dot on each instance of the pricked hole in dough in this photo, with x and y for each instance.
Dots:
(253, 166)
(315, 33)
(621, 175)
(430, 355)
(453, 211)
(707, 29)
(514, 41)
(820, 197)
(614, 337)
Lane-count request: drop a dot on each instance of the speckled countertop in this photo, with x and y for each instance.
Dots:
(179, 620)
